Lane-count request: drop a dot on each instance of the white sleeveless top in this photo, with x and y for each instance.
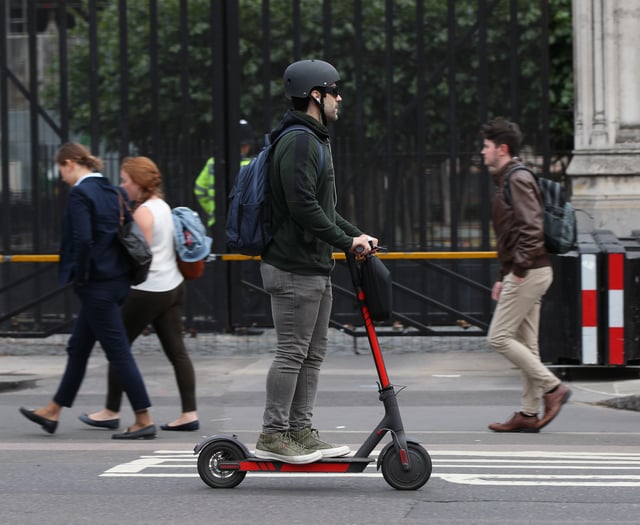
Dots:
(163, 274)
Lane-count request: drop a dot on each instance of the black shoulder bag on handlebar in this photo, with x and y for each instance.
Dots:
(376, 284)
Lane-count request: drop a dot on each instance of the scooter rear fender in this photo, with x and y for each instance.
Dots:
(219, 438)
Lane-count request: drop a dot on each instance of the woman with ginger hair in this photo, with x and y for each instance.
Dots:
(157, 301)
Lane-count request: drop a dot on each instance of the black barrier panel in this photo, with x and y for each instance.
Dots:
(559, 338)
(560, 316)
(632, 299)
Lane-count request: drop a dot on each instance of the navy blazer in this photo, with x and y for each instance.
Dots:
(91, 250)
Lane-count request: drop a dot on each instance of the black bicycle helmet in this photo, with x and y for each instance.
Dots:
(301, 77)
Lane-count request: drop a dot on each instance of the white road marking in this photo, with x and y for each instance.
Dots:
(488, 468)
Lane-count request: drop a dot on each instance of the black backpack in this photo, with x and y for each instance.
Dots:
(559, 216)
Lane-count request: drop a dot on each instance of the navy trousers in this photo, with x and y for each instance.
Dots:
(100, 320)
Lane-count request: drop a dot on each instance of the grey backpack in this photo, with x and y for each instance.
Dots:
(559, 216)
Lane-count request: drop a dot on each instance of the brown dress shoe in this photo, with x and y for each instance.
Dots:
(553, 402)
(517, 423)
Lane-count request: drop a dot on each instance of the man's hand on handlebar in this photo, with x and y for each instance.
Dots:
(363, 244)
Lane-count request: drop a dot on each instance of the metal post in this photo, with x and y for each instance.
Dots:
(390, 179)
(453, 125)
(124, 79)
(154, 149)
(93, 76)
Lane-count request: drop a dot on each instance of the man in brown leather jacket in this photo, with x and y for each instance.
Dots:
(525, 276)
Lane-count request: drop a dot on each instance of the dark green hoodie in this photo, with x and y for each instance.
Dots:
(305, 222)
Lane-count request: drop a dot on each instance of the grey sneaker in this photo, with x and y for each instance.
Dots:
(309, 439)
(282, 447)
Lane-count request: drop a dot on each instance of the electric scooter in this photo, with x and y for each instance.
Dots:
(223, 461)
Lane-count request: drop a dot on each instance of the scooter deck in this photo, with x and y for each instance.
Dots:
(329, 465)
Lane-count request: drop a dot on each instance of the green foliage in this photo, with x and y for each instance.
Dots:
(342, 50)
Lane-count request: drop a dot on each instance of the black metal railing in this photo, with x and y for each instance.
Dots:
(172, 79)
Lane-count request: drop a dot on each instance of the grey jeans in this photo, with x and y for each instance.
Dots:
(301, 306)
(514, 333)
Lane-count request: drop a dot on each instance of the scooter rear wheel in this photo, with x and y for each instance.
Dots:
(412, 479)
(209, 458)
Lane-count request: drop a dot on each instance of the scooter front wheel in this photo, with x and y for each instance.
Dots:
(411, 479)
(209, 458)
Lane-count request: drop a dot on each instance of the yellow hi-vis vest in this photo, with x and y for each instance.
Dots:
(205, 189)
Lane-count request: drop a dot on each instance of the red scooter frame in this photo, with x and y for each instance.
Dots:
(223, 460)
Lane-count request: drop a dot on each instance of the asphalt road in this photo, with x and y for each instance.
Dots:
(583, 468)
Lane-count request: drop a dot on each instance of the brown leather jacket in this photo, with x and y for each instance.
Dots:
(519, 227)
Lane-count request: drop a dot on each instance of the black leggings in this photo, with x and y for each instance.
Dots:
(164, 311)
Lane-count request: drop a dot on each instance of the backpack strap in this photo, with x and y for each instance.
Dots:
(552, 192)
(506, 189)
(125, 211)
(297, 127)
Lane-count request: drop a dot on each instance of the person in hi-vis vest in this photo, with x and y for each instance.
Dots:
(204, 188)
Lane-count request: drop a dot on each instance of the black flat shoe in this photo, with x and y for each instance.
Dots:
(49, 425)
(105, 423)
(144, 433)
(185, 427)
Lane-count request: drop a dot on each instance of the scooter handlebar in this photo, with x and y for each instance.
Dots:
(378, 248)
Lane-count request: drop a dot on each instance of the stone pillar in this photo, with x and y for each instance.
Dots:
(605, 168)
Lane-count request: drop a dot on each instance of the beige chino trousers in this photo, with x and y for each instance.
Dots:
(514, 333)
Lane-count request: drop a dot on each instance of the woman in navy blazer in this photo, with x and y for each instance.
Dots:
(93, 260)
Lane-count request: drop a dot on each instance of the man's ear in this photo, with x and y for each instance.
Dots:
(504, 149)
